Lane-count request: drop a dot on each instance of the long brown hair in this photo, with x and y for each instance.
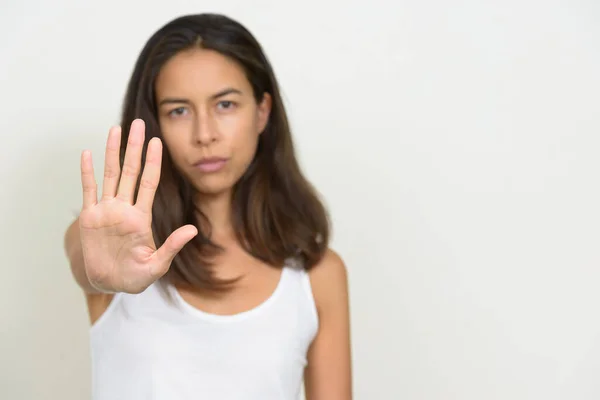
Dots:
(277, 213)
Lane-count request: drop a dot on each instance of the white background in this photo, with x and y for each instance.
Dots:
(455, 143)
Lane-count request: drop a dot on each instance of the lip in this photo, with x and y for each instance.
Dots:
(211, 164)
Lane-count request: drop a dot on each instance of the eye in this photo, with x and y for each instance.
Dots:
(177, 112)
(226, 105)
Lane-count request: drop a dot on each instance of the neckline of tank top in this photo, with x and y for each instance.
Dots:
(211, 317)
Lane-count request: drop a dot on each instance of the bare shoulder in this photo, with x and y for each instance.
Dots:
(329, 280)
(331, 266)
(329, 371)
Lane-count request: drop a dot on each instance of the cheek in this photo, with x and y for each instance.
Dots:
(246, 148)
(242, 137)
(176, 135)
(175, 149)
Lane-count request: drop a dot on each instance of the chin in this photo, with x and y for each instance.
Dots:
(213, 188)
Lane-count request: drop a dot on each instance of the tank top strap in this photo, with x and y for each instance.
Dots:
(299, 278)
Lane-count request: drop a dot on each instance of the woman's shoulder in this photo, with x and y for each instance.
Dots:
(329, 281)
(330, 264)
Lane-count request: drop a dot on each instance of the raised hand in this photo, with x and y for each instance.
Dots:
(116, 235)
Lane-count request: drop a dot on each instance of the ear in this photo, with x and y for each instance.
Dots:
(264, 111)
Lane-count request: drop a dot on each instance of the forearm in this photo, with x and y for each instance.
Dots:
(74, 254)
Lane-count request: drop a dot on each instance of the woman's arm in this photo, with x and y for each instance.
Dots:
(328, 375)
(97, 302)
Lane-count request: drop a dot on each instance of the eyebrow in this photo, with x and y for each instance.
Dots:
(224, 92)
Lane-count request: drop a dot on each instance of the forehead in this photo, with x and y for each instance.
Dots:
(200, 72)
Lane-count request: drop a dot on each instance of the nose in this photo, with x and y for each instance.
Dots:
(204, 129)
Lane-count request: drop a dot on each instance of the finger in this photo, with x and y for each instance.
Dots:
(88, 182)
(132, 162)
(173, 245)
(150, 176)
(112, 168)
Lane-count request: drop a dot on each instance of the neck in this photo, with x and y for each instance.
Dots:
(217, 209)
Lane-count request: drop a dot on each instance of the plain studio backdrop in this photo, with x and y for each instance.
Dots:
(456, 144)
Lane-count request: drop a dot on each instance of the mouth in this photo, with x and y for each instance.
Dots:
(211, 164)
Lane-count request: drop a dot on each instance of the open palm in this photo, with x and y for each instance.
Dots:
(119, 251)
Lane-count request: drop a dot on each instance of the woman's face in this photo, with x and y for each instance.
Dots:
(209, 118)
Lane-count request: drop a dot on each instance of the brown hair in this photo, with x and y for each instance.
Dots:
(277, 213)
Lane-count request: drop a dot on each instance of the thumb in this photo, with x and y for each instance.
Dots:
(173, 245)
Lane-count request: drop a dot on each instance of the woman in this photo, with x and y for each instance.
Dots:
(217, 282)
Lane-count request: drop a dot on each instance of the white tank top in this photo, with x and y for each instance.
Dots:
(147, 346)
